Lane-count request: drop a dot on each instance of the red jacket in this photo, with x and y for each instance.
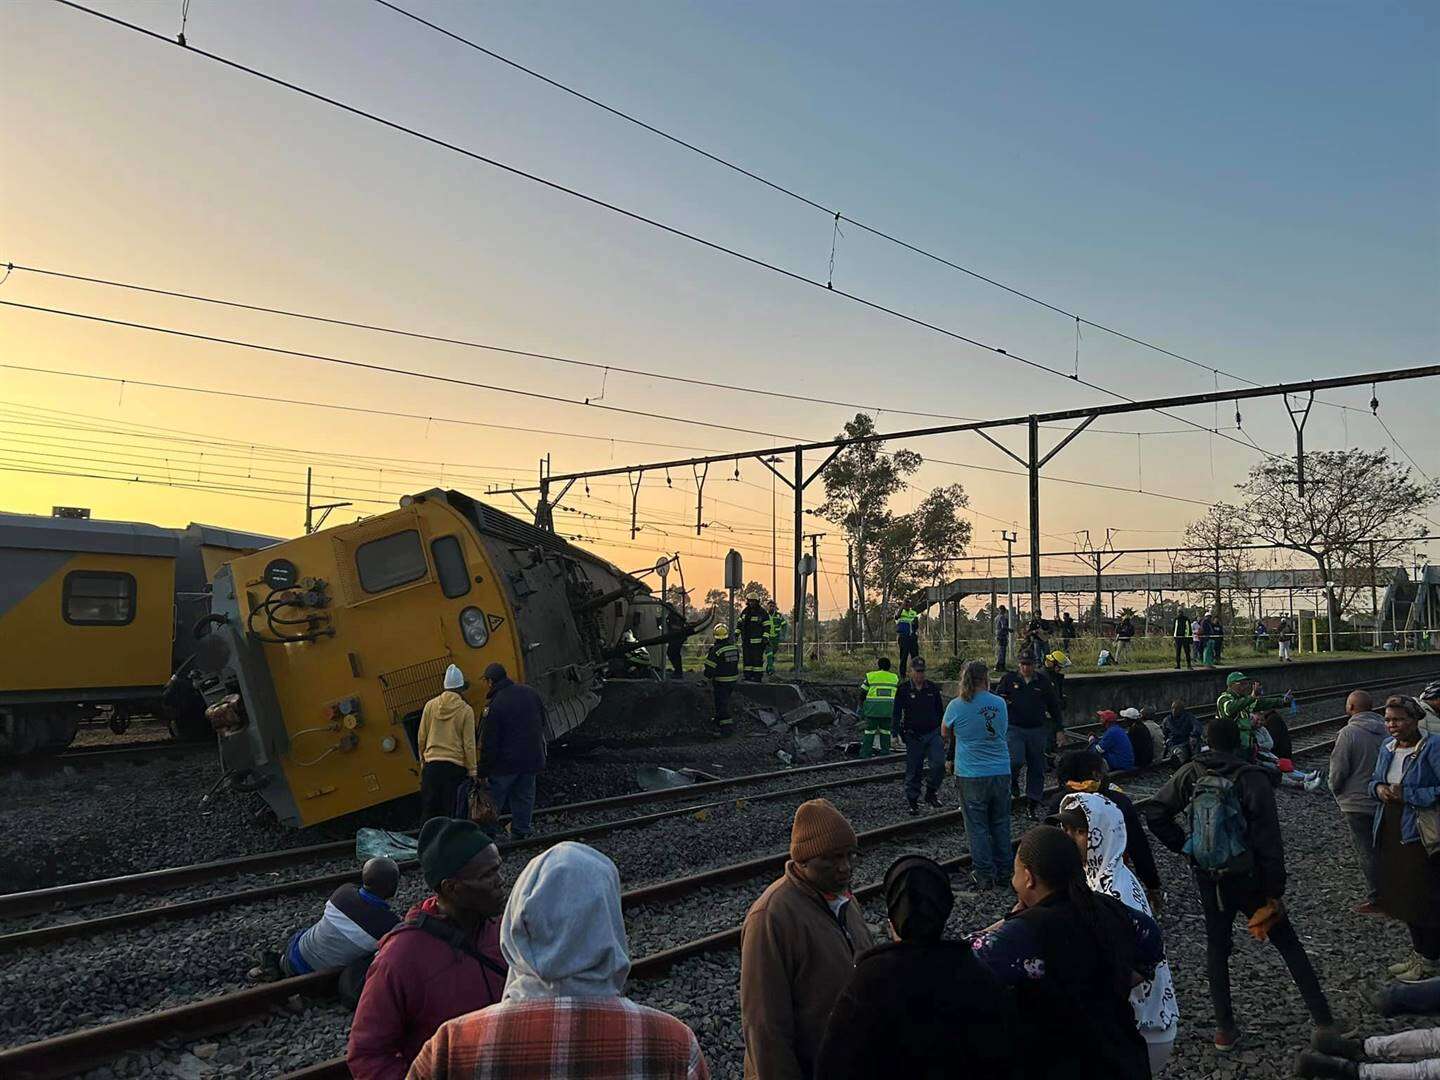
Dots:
(416, 983)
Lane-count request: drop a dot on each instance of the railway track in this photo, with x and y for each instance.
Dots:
(101, 756)
(76, 1051)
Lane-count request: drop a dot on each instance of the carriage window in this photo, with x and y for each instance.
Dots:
(390, 561)
(98, 598)
(450, 565)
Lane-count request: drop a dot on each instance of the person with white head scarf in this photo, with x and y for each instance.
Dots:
(1098, 827)
(564, 1012)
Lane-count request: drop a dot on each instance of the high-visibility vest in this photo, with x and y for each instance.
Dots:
(880, 687)
(911, 616)
(775, 627)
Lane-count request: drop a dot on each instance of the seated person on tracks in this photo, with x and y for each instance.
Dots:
(356, 917)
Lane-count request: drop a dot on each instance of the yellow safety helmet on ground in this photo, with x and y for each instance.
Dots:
(722, 632)
(1058, 658)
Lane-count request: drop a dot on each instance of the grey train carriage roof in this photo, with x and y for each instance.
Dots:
(36, 533)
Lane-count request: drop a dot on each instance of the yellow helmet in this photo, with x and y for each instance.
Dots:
(722, 632)
(1059, 658)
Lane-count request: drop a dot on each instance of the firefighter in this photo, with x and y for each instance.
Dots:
(879, 707)
(751, 629)
(637, 658)
(774, 635)
(722, 668)
(907, 636)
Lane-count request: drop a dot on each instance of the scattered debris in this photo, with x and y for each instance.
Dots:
(656, 777)
(811, 715)
(808, 749)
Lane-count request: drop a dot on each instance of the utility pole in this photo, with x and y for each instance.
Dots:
(1374, 596)
(814, 539)
(1010, 537)
(310, 507)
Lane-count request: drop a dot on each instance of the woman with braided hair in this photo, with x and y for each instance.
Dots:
(1072, 957)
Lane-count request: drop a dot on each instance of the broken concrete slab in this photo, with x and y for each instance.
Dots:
(778, 696)
(770, 718)
(808, 749)
(811, 715)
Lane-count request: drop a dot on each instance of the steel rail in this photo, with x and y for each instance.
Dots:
(57, 897)
(658, 964)
(78, 1051)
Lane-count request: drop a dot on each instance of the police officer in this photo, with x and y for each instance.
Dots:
(879, 707)
(907, 636)
(722, 668)
(751, 628)
(774, 635)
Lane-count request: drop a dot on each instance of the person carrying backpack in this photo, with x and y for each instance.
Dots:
(1233, 843)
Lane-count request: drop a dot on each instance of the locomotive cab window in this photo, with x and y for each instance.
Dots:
(450, 566)
(390, 562)
(98, 598)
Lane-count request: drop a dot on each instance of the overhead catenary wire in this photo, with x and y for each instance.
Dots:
(420, 335)
(836, 214)
(604, 204)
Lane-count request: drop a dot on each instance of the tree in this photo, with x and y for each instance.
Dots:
(718, 600)
(1351, 496)
(858, 485)
(1213, 568)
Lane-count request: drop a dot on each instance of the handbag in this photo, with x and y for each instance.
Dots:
(1427, 820)
(473, 802)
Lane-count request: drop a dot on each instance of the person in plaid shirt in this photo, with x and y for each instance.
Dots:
(563, 1013)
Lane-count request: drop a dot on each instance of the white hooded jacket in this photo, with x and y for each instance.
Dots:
(1156, 1007)
(562, 935)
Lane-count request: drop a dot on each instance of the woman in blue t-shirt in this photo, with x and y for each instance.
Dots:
(978, 722)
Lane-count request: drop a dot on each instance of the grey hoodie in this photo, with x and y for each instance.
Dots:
(1353, 760)
(563, 933)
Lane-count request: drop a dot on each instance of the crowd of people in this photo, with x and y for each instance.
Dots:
(1072, 982)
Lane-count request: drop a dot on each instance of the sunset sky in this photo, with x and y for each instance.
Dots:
(1253, 186)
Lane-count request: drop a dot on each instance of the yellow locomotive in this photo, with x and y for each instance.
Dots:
(323, 650)
(91, 615)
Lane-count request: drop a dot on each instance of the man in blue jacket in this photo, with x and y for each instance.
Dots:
(1113, 744)
(512, 746)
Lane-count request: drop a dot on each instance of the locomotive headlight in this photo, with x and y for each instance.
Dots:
(473, 627)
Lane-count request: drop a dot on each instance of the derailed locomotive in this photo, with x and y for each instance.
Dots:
(95, 615)
(322, 651)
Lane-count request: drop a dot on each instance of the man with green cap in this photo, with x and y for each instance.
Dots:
(443, 961)
(1242, 698)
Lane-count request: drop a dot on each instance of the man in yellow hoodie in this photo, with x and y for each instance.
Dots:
(447, 747)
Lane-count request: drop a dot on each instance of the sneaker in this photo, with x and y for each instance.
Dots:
(914, 808)
(1367, 907)
(933, 799)
(1404, 965)
(1310, 1064)
(1226, 1039)
(1419, 971)
(980, 884)
(1316, 782)
(1328, 1040)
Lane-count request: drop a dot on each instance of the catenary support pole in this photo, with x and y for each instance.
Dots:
(799, 549)
(1374, 595)
(1034, 467)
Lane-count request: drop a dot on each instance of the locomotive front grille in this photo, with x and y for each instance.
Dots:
(407, 689)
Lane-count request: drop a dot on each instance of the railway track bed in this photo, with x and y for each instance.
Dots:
(671, 923)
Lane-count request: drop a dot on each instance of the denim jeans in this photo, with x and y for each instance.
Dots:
(1221, 907)
(1027, 748)
(1362, 832)
(1417, 998)
(1001, 644)
(514, 794)
(922, 751)
(985, 802)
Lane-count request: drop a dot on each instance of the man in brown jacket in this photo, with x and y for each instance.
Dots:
(798, 947)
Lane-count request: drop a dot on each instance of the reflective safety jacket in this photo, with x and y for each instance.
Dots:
(911, 616)
(1238, 707)
(722, 662)
(775, 627)
(752, 626)
(879, 687)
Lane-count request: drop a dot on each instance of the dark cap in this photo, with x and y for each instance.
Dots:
(917, 664)
(446, 845)
(494, 672)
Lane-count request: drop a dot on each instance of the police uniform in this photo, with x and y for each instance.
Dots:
(907, 636)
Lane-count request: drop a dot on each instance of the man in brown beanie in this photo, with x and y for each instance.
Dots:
(798, 947)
